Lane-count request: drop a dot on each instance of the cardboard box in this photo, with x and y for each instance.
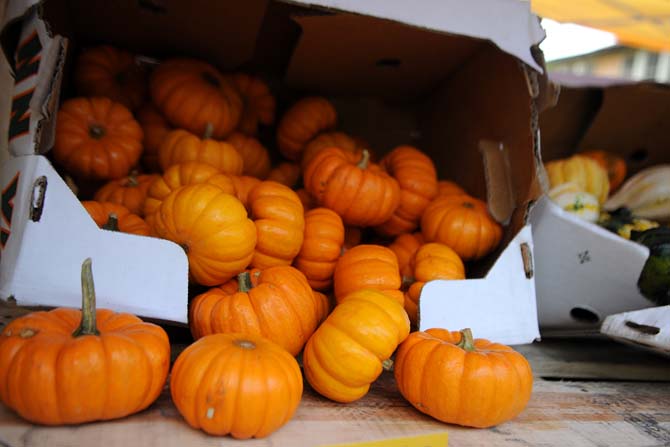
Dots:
(584, 272)
(459, 80)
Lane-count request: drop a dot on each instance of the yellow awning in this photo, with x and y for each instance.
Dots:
(636, 23)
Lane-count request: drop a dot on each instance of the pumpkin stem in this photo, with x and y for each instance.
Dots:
(112, 223)
(387, 365)
(407, 281)
(244, 282)
(87, 326)
(245, 344)
(96, 131)
(132, 178)
(363, 164)
(467, 341)
(209, 130)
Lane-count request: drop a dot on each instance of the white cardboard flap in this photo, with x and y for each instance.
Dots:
(647, 328)
(509, 24)
(500, 307)
(580, 265)
(43, 251)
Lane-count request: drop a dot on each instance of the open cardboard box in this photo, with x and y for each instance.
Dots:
(585, 273)
(456, 79)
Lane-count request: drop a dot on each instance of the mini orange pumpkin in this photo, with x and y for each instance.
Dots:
(404, 247)
(463, 223)
(212, 227)
(180, 146)
(368, 267)
(613, 164)
(155, 128)
(361, 193)
(255, 157)
(332, 139)
(195, 96)
(308, 202)
(112, 73)
(352, 237)
(447, 188)
(130, 191)
(276, 303)
(321, 247)
(302, 122)
(431, 261)
(97, 138)
(68, 366)
(243, 185)
(417, 178)
(285, 173)
(348, 351)
(115, 217)
(323, 306)
(259, 104)
(236, 384)
(458, 380)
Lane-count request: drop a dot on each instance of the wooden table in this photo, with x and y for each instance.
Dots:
(586, 393)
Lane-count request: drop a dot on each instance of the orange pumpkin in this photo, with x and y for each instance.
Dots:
(130, 191)
(348, 350)
(112, 73)
(276, 303)
(332, 139)
(323, 306)
(115, 217)
(447, 188)
(259, 104)
(195, 96)
(236, 384)
(352, 237)
(68, 366)
(417, 178)
(321, 247)
(463, 223)
(614, 165)
(243, 185)
(255, 157)
(212, 227)
(308, 202)
(285, 173)
(97, 138)
(302, 122)
(431, 261)
(362, 194)
(368, 267)
(458, 380)
(280, 224)
(404, 247)
(155, 128)
(180, 146)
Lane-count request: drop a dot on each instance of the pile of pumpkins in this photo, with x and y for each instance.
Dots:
(285, 268)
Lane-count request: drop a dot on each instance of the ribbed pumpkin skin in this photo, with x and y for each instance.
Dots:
(97, 138)
(213, 228)
(323, 306)
(286, 173)
(236, 384)
(112, 73)
(404, 247)
(193, 94)
(280, 306)
(255, 157)
(243, 185)
(447, 188)
(280, 224)
(53, 378)
(155, 128)
(362, 196)
(417, 178)
(368, 266)
(180, 146)
(182, 174)
(259, 104)
(345, 354)
(321, 247)
(127, 221)
(463, 223)
(302, 122)
(130, 192)
(481, 389)
(582, 170)
(431, 261)
(324, 140)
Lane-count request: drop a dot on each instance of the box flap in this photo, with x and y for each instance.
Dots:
(49, 234)
(646, 328)
(500, 307)
(510, 24)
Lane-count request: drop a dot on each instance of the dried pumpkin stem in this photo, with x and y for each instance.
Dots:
(244, 282)
(87, 326)
(112, 223)
(96, 131)
(387, 365)
(209, 130)
(363, 164)
(132, 178)
(467, 342)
